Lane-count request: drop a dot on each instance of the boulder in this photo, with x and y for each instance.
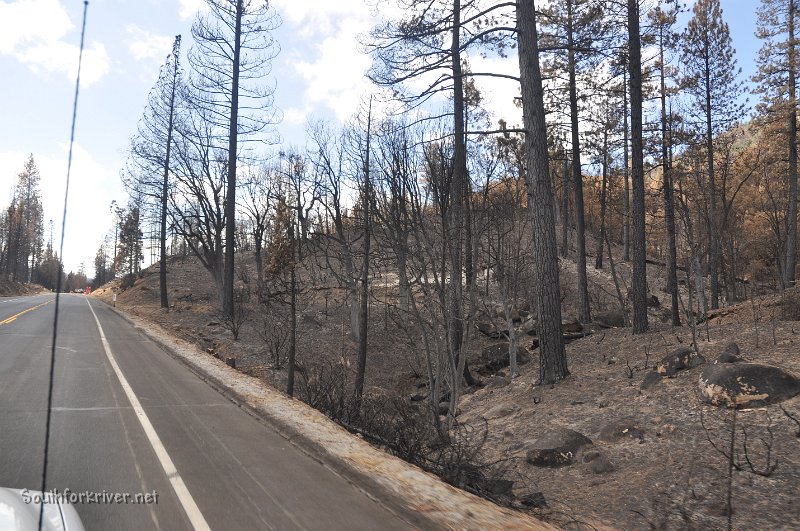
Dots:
(650, 379)
(495, 357)
(496, 382)
(746, 385)
(730, 354)
(489, 329)
(529, 327)
(500, 487)
(602, 465)
(610, 319)
(572, 327)
(680, 359)
(557, 448)
(591, 455)
(626, 428)
(516, 314)
(652, 299)
(534, 500)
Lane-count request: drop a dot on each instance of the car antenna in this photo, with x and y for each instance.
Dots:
(60, 272)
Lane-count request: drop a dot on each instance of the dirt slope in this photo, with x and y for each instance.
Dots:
(668, 475)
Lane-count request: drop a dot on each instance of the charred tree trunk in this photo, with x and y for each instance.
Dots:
(669, 202)
(230, 195)
(362, 332)
(584, 312)
(598, 261)
(640, 323)
(456, 324)
(626, 207)
(162, 268)
(791, 213)
(552, 357)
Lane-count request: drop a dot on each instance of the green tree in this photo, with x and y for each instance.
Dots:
(129, 249)
(24, 226)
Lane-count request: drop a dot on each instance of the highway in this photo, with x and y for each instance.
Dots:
(211, 465)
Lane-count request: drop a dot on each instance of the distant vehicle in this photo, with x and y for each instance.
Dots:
(77, 290)
(19, 511)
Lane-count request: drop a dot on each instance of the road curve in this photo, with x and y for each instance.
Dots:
(240, 473)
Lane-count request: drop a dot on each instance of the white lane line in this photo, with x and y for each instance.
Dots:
(189, 505)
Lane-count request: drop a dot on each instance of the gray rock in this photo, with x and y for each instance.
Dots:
(591, 455)
(602, 465)
(500, 487)
(571, 327)
(534, 500)
(650, 379)
(557, 448)
(730, 354)
(620, 429)
(496, 357)
(746, 385)
(529, 328)
(496, 382)
(490, 330)
(680, 359)
(611, 319)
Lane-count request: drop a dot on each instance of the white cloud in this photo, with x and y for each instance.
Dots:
(319, 13)
(498, 93)
(335, 76)
(189, 8)
(145, 45)
(32, 31)
(59, 56)
(296, 116)
(27, 21)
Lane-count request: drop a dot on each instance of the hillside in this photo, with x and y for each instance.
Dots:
(12, 289)
(651, 461)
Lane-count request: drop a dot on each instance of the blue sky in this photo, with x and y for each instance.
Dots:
(319, 73)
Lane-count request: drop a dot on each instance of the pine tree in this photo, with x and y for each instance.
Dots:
(777, 84)
(576, 29)
(231, 58)
(129, 249)
(552, 356)
(639, 240)
(711, 81)
(663, 20)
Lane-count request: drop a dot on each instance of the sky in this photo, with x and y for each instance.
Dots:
(319, 73)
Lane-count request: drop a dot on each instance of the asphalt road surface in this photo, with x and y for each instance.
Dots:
(129, 419)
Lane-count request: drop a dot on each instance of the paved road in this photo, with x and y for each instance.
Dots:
(237, 472)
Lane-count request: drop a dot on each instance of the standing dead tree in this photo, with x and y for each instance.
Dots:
(150, 158)
(231, 58)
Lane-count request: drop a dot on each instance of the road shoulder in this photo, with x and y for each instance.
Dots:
(420, 498)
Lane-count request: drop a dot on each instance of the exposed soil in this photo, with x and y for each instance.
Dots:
(668, 477)
(12, 289)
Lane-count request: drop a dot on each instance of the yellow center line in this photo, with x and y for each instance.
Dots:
(14, 317)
